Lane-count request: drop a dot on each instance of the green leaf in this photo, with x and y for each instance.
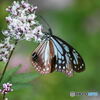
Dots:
(24, 77)
(9, 73)
(20, 86)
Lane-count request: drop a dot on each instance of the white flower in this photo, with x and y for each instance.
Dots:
(5, 49)
(37, 33)
(25, 4)
(6, 88)
(22, 23)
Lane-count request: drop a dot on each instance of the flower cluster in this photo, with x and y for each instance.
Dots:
(5, 48)
(6, 88)
(22, 23)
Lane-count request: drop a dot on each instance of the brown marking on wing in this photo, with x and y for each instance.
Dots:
(53, 57)
(53, 63)
(41, 64)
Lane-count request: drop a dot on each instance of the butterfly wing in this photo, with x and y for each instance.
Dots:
(43, 57)
(56, 54)
(68, 59)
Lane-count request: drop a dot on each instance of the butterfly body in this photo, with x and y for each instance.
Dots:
(53, 53)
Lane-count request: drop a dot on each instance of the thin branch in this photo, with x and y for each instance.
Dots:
(8, 62)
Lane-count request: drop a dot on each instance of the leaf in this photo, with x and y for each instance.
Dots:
(24, 77)
(9, 73)
(20, 86)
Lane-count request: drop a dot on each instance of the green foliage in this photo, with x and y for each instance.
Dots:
(22, 80)
(19, 80)
(9, 74)
(24, 77)
(17, 86)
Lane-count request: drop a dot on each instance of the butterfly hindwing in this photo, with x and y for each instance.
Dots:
(43, 58)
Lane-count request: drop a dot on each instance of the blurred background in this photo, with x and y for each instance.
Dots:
(78, 23)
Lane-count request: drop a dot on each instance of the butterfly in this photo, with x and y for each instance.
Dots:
(54, 54)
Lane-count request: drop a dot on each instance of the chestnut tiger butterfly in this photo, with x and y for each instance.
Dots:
(54, 54)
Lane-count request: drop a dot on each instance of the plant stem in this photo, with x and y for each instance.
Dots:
(3, 97)
(4, 70)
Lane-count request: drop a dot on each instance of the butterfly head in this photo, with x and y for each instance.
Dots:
(48, 35)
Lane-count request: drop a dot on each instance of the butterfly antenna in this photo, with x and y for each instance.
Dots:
(50, 30)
